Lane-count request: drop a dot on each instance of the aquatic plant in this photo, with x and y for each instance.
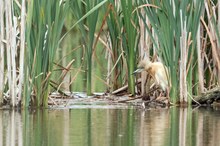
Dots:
(45, 21)
(174, 32)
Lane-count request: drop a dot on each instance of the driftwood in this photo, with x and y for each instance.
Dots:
(209, 97)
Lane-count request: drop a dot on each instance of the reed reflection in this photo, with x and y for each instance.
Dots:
(131, 127)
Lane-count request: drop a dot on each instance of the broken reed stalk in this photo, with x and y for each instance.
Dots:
(200, 61)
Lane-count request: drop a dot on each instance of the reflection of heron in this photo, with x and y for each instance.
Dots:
(158, 72)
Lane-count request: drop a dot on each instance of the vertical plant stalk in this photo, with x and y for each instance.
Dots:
(8, 45)
(143, 52)
(218, 24)
(28, 84)
(200, 62)
(129, 40)
(183, 60)
(21, 63)
(113, 23)
(89, 74)
(92, 23)
(11, 49)
(108, 67)
(2, 47)
(13, 60)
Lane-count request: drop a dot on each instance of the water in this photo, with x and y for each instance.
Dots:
(93, 126)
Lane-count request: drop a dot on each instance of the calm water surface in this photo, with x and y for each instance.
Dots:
(99, 126)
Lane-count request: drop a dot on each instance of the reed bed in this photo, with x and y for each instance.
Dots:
(184, 35)
(45, 21)
(175, 24)
(12, 50)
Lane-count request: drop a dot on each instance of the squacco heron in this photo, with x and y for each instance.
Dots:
(158, 72)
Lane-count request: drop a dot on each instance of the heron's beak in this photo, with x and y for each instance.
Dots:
(137, 71)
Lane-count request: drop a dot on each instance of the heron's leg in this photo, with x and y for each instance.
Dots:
(168, 93)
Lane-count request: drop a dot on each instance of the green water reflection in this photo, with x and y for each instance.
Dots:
(110, 127)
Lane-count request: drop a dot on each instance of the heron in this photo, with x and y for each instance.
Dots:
(158, 71)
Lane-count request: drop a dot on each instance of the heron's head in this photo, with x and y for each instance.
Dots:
(143, 65)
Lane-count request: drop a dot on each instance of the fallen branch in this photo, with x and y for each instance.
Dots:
(208, 97)
(120, 89)
(125, 87)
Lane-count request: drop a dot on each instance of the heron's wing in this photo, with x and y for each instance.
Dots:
(161, 78)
